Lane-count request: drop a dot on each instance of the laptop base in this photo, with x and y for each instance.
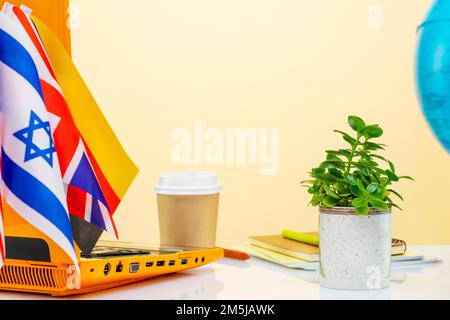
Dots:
(100, 273)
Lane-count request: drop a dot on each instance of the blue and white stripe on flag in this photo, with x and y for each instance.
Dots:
(31, 176)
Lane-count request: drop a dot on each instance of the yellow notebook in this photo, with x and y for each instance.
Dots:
(288, 247)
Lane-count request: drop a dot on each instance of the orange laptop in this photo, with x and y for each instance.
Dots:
(34, 263)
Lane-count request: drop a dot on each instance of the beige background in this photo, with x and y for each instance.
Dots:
(300, 66)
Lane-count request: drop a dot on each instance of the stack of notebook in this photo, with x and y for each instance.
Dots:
(303, 253)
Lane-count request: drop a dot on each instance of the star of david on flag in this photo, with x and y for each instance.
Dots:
(28, 136)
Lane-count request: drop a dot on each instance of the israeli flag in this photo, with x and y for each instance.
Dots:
(31, 177)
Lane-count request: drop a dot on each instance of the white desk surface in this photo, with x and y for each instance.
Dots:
(256, 279)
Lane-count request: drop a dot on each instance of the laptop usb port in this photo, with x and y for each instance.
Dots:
(149, 264)
(184, 261)
(160, 263)
(134, 267)
(171, 262)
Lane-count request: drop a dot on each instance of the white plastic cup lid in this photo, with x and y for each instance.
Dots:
(189, 183)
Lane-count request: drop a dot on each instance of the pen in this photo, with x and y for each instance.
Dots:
(301, 237)
(237, 255)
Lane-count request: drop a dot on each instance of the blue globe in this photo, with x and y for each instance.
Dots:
(433, 70)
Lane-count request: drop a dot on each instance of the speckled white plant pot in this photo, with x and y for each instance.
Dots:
(355, 251)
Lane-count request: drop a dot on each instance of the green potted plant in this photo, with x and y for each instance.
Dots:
(355, 195)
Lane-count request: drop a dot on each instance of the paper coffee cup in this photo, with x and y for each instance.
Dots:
(188, 205)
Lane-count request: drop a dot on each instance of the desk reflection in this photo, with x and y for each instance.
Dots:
(198, 284)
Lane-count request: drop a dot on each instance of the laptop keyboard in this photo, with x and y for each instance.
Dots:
(107, 252)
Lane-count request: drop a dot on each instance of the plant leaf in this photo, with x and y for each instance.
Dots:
(332, 164)
(354, 189)
(345, 152)
(372, 188)
(356, 123)
(331, 157)
(343, 187)
(392, 176)
(362, 211)
(358, 174)
(326, 177)
(346, 137)
(329, 201)
(345, 195)
(316, 199)
(397, 194)
(334, 155)
(378, 204)
(359, 202)
(372, 131)
(394, 205)
(361, 186)
(336, 173)
(342, 132)
(331, 193)
(407, 177)
(373, 146)
(350, 178)
(361, 168)
(350, 140)
(318, 170)
(378, 157)
(391, 165)
(370, 163)
(376, 189)
(364, 155)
